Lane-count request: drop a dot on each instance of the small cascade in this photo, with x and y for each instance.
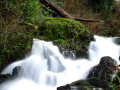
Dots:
(103, 47)
(46, 68)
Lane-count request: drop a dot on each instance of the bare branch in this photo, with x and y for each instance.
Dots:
(63, 13)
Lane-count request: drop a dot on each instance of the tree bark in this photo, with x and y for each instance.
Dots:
(63, 13)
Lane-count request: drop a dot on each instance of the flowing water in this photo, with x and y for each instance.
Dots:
(45, 68)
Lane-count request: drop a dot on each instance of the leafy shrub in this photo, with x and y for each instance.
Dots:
(25, 10)
(115, 84)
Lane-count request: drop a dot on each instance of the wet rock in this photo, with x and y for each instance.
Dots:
(88, 84)
(16, 71)
(98, 78)
(69, 54)
(103, 73)
(4, 78)
(80, 87)
(66, 87)
(103, 70)
(116, 40)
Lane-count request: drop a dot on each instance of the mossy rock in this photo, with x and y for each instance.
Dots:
(90, 83)
(61, 28)
(68, 34)
(80, 85)
(16, 40)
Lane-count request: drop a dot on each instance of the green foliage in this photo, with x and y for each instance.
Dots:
(14, 47)
(58, 2)
(25, 10)
(59, 41)
(111, 28)
(30, 10)
(104, 6)
(22, 10)
(115, 84)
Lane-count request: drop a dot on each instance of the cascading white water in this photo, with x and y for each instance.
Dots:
(69, 54)
(46, 68)
(103, 47)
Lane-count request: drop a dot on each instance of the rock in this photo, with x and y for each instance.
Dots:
(99, 83)
(66, 87)
(69, 54)
(4, 78)
(116, 40)
(70, 87)
(80, 85)
(103, 71)
(16, 71)
(88, 84)
(99, 77)
(102, 74)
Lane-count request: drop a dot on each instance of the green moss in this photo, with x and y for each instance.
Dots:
(61, 28)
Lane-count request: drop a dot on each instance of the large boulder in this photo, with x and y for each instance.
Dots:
(103, 71)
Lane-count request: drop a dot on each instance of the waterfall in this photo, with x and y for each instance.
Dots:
(46, 68)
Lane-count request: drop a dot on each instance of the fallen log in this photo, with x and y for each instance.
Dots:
(63, 13)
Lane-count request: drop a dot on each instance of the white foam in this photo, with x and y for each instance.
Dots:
(46, 68)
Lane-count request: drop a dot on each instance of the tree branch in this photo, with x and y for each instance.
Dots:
(63, 13)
